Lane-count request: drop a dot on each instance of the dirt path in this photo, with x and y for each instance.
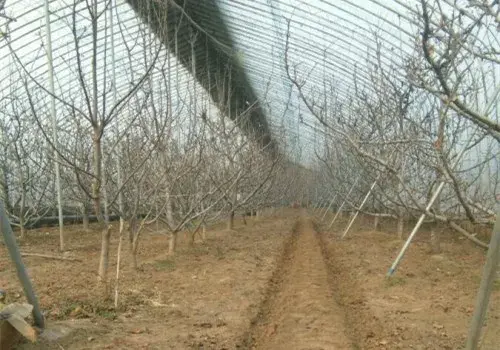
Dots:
(300, 312)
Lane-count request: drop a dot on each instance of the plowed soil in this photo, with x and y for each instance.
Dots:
(427, 304)
(280, 282)
(204, 297)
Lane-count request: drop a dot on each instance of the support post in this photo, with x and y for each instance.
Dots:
(360, 207)
(54, 124)
(343, 203)
(483, 295)
(15, 255)
(118, 162)
(414, 231)
(396, 262)
(365, 199)
(329, 206)
(117, 128)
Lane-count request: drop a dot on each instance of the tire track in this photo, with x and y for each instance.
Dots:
(300, 311)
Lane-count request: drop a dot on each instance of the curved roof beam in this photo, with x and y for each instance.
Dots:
(183, 20)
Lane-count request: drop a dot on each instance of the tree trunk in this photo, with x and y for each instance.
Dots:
(230, 220)
(133, 261)
(21, 209)
(97, 134)
(132, 242)
(104, 258)
(172, 243)
(118, 263)
(204, 232)
(234, 204)
(435, 240)
(4, 188)
(157, 222)
(439, 145)
(21, 227)
(435, 234)
(102, 273)
(192, 238)
(400, 227)
(85, 218)
(170, 216)
(134, 249)
(376, 222)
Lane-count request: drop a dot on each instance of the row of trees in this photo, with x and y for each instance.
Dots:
(149, 147)
(406, 130)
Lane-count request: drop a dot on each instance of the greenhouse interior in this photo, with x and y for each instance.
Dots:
(236, 174)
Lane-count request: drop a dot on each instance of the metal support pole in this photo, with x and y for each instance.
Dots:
(321, 206)
(415, 229)
(329, 206)
(361, 206)
(365, 199)
(489, 275)
(54, 124)
(118, 162)
(487, 281)
(15, 255)
(343, 203)
(396, 262)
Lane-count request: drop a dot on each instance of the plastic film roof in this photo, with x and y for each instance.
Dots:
(333, 43)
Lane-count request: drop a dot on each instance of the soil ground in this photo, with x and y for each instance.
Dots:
(202, 298)
(280, 282)
(428, 302)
